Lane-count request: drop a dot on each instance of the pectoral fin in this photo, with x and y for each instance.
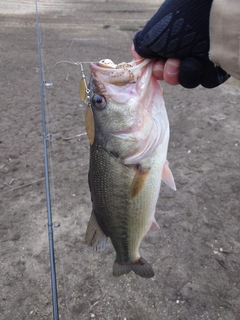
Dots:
(167, 176)
(138, 181)
(94, 236)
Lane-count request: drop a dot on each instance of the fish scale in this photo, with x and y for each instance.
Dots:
(110, 194)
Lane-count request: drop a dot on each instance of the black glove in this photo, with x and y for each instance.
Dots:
(180, 29)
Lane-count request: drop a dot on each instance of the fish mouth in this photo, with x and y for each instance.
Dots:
(121, 82)
(121, 75)
(131, 65)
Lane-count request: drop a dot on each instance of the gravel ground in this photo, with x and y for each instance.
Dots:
(196, 252)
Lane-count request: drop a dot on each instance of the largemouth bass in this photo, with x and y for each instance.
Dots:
(128, 130)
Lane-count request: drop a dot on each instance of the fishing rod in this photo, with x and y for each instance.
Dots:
(47, 185)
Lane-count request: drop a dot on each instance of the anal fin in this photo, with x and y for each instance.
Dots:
(94, 236)
(141, 267)
(154, 226)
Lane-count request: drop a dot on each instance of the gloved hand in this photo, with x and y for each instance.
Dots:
(180, 29)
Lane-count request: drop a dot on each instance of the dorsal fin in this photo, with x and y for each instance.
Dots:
(167, 176)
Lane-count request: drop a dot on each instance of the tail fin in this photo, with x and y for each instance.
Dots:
(141, 267)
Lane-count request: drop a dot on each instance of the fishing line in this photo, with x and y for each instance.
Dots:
(48, 198)
(79, 63)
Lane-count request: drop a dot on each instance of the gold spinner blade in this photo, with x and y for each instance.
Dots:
(83, 89)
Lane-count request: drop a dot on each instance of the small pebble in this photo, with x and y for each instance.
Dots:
(56, 225)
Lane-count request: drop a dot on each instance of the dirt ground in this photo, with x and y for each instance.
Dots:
(196, 252)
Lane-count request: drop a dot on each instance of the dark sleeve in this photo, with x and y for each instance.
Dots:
(179, 29)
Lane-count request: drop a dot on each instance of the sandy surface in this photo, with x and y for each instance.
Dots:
(196, 252)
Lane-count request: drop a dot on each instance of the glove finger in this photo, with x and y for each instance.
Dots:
(212, 76)
(190, 73)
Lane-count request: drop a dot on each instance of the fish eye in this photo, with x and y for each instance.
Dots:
(98, 101)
